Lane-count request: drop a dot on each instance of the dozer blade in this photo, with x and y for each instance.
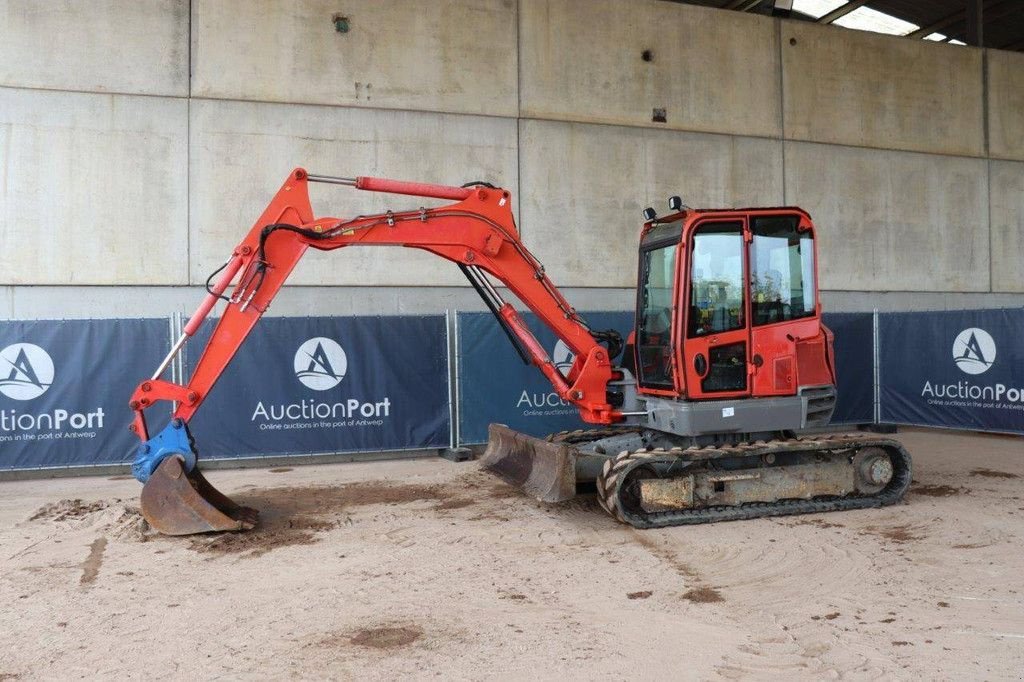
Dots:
(178, 503)
(543, 470)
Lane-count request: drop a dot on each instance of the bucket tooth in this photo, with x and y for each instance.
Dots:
(546, 471)
(176, 502)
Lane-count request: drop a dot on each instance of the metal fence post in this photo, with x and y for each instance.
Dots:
(172, 323)
(456, 435)
(452, 378)
(876, 367)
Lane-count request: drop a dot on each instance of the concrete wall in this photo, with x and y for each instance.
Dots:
(143, 137)
(590, 182)
(1006, 104)
(250, 148)
(898, 220)
(129, 46)
(1007, 225)
(94, 188)
(582, 60)
(450, 55)
(864, 89)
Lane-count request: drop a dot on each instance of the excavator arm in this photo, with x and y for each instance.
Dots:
(477, 232)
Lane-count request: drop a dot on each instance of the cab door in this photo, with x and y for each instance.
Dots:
(783, 300)
(657, 310)
(716, 332)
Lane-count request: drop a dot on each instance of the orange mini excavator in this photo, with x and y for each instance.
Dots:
(696, 415)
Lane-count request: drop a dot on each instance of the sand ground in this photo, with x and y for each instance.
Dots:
(429, 569)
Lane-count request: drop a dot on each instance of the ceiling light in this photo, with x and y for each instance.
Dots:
(867, 19)
(816, 8)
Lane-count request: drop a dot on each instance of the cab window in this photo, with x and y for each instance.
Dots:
(716, 280)
(782, 270)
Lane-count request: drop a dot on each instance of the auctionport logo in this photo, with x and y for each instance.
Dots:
(974, 350)
(320, 363)
(26, 371)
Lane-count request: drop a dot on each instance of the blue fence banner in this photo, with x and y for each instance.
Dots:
(352, 384)
(65, 385)
(956, 369)
(854, 364)
(495, 385)
(317, 385)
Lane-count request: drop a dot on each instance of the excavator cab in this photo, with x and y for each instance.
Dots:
(721, 291)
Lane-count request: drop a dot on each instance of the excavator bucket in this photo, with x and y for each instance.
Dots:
(176, 502)
(543, 470)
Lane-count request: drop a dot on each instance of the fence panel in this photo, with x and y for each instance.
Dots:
(328, 385)
(495, 385)
(64, 389)
(959, 369)
(854, 359)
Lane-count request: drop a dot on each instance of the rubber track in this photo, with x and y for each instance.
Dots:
(617, 469)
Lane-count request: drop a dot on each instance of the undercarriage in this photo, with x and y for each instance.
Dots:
(649, 479)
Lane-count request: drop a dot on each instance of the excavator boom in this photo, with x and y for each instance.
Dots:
(477, 232)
